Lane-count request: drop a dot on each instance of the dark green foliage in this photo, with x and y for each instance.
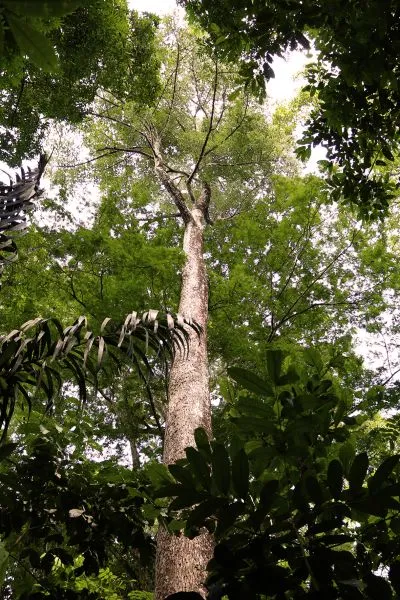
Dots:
(57, 506)
(21, 27)
(295, 511)
(63, 75)
(355, 80)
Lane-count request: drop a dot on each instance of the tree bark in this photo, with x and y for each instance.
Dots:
(180, 562)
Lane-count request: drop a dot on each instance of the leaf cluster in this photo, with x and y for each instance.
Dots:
(355, 80)
(294, 509)
(36, 359)
(61, 514)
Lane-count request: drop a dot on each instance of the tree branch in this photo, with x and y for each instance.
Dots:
(86, 162)
(162, 171)
(210, 127)
(289, 313)
(113, 119)
(159, 218)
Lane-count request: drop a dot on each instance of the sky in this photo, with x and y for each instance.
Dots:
(160, 7)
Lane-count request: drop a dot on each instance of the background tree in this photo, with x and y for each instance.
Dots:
(67, 60)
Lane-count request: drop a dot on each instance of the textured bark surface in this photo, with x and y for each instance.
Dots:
(181, 563)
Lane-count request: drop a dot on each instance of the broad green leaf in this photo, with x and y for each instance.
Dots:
(358, 471)
(181, 474)
(387, 153)
(275, 360)
(202, 441)
(288, 378)
(240, 474)
(382, 473)
(63, 555)
(221, 467)
(249, 424)
(377, 588)
(394, 576)
(203, 511)
(167, 490)
(250, 381)
(199, 466)
(395, 525)
(313, 358)
(226, 389)
(268, 493)
(255, 407)
(33, 43)
(335, 478)
(346, 455)
(187, 497)
(314, 489)
(6, 450)
(158, 474)
(228, 516)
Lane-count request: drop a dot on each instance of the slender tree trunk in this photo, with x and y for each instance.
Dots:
(181, 563)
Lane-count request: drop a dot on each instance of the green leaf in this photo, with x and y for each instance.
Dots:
(395, 525)
(275, 360)
(181, 474)
(255, 407)
(226, 389)
(33, 43)
(201, 512)
(346, 455)
(4, 556)
(313, 358)
(63, 555)
(358, 471)
(202, 441)
(186, 498)
(167, 490)
(240, 474)
(387, 153)
(382, 473)
(314, 489)
(221, 467)
(228, 516)
(250, 381)
(335, 478)
(6, 450)
(268, 493)
(377, 588)
(158, 474)
(199, 466)
(41, 8)
(288, 378)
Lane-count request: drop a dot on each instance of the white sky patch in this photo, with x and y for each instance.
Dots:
(159, 7)
(288, 78)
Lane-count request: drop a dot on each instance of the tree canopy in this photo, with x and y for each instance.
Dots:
(67, 59)
(353, 79)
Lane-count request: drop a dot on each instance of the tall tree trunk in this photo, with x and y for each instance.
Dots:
(181, 563)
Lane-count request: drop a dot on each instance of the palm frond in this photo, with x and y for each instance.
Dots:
(37, 358)
(16, 201)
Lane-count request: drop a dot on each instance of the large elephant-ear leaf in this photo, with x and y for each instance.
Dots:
(16, 200)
